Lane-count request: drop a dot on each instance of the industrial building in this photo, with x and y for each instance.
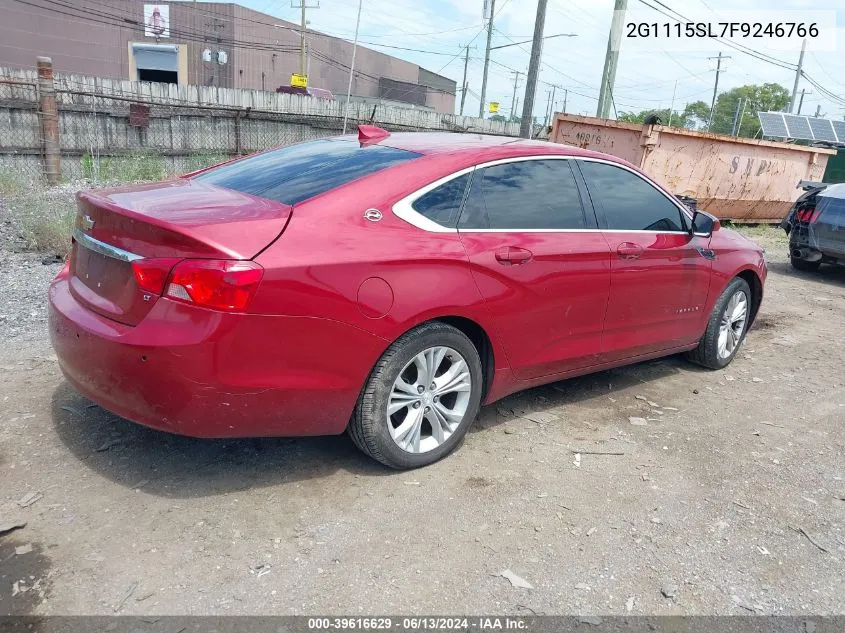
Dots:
(206, 43)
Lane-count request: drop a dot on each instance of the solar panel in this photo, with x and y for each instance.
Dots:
(773, 125)
(798, 127)
(839, 128)
(807, 128)
(822, 129)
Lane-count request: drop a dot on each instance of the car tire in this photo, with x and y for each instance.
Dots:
(804, 265)
(423, 439)
(724, 334)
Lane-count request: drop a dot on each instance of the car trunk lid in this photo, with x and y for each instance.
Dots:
(175, 220)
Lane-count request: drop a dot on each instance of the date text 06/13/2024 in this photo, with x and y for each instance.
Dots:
(420, 623)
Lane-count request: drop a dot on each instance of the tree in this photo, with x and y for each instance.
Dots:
(679, 119)
(759, 98)
(699, 114)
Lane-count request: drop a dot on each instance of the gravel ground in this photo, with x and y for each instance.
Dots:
(729, 500)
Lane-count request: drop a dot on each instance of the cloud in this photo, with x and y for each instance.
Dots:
(643, 80)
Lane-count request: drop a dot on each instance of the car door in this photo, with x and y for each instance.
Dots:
(539, 262)
(826, 225)
(660, 273)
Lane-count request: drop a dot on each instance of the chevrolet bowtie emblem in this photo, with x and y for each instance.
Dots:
(87, 223)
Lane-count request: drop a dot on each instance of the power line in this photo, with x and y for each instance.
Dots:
(729, 43)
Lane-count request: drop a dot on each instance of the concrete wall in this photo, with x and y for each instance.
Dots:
(93, 38)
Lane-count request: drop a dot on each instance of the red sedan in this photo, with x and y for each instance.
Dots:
(387, 286)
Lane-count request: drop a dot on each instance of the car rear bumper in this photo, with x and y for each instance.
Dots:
(204, 373)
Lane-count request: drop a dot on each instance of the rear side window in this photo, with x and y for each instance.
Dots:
(298, 172)
(831, 210)
(443, 204)
(629, 202)
(524, 195)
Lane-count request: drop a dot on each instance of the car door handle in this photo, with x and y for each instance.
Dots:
(511, 255)
(629, 250)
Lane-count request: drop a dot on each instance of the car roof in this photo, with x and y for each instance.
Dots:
(434, 143)
(833, 191)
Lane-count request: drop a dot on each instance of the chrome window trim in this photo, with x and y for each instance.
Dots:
(404, 209)
(102, 248)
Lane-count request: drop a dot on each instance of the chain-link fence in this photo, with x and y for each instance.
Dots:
(20, 132)
(119, 131)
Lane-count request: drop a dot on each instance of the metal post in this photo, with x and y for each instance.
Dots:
(715, 87)
(736, 117)
(486, 59)
(533, 71)
(464, 83)
(801, 100)
(741, 116)
(565, 95)
(352, 66)
(516, 75)
(611, 58)
(798, 72)
(818, 110)
(48, 114)
(672, 107)
(302, 41)
(551, 108)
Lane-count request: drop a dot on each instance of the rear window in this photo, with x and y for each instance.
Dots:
(298, 172)
(831, 210)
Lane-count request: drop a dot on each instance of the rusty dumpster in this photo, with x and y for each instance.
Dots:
(733, 178)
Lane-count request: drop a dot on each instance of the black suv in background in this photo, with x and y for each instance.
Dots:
(816, 227)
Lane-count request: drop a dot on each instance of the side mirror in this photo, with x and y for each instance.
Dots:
(704, 224)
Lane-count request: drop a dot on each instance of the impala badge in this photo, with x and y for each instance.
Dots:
(373, 215)
(87, 223)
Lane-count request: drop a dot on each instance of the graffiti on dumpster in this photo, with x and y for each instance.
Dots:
(752, 166)
(585, 139)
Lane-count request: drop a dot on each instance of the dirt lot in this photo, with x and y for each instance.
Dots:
(729, 500)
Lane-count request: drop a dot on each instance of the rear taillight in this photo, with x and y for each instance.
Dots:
(151, 274)
(218, 284)
(808, 215)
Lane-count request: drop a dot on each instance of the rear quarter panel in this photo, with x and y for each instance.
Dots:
(383, 277)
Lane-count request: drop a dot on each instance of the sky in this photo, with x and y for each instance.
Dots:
(645, 79)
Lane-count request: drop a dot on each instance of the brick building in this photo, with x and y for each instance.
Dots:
(205, 43)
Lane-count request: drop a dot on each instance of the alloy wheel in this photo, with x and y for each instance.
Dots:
(733, 324)
(429, 399)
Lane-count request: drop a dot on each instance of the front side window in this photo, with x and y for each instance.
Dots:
(629, 202)
(524, 195)
(298, 172)
(443, 204)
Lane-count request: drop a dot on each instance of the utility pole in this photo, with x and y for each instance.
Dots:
(716, 86)
(741, 116)
(611, 59)
(516, 75)
(801, 100)
(486, 59)
(736, 117)
(798, 72)
(533, 71)
(672, 106)
(565, 95)
(818, 110)
(303, 68)
(464, 84)
(352, 66)
(551, 105)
